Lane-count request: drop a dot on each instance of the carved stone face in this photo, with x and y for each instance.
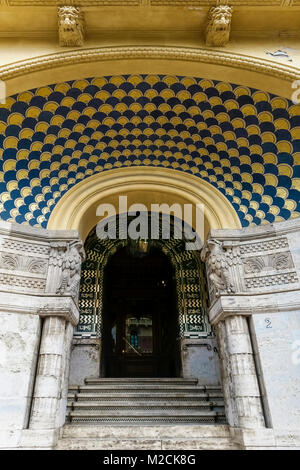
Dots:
(221, 19)
(70, 26)
(68, 21)
(218, 27)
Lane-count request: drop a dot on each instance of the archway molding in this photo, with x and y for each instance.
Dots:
(76, 210)
(241, 69)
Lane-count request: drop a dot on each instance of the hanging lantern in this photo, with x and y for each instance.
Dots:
(138, 248)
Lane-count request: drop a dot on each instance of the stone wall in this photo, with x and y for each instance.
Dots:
(254, 286)
(37, 289)
(254, 279)
(85, 360)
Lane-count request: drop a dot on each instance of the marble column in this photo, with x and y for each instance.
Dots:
(47, 392)
(241, 390)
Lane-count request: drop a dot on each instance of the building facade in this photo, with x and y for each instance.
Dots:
(167, 103)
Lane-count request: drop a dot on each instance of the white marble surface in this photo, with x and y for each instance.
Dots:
(19, 338)
(275, 336)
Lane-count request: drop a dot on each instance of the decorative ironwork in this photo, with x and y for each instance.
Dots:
(190, 279)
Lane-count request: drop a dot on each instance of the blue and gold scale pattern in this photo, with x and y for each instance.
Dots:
(243, 141)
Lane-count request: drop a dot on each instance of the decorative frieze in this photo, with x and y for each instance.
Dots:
(184, 3)
(28, 248)
(22, 282)
(241, 267)
(269, 262)
(271, 281)
(23, 263)
(218, 26)
(70, 26)
(275, 244)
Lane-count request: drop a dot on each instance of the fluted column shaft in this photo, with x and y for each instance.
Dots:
(241, 390)
(47, 392)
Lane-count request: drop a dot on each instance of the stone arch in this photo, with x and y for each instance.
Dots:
(77, 208)
(190, 280)
(220, 65)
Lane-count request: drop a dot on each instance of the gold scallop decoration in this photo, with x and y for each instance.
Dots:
(245, 142)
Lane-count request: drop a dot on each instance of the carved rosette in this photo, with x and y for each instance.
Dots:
(70, 26)
(218, 26)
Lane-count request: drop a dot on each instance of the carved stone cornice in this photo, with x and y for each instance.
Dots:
(247, 305)
(39, 304)
(202, 3)
(82, 56)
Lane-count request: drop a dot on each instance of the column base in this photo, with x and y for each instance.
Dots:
(39, 438)
(253, 438)
(263, 438)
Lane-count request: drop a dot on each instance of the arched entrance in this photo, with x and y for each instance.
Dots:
(140, 318)
(141, 302)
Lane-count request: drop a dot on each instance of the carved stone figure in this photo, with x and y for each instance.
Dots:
(71, 265)
(215, 257)
(70, 26)
(218, 26)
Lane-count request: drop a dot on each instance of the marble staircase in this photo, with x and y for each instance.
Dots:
(145, 401)
(145, 414)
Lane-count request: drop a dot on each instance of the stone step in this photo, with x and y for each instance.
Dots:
(126, 413)
(147, 420)
(143, 404)
(146, 402)
(146, 444)
(146, 380)
(154, 388)
(195, 431)
(129, 396)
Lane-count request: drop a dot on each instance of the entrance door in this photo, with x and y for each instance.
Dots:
(140, 321)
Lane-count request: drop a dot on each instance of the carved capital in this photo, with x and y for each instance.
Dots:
(218, 26)
(65, 312)
(70, 26)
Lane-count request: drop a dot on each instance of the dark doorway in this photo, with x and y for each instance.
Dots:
(140, 321)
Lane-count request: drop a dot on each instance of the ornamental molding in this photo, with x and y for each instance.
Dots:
(170, 3)
(247, 305)
(83, 56)
(241, 267)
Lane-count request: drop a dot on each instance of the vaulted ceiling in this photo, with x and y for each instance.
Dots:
(243, 141)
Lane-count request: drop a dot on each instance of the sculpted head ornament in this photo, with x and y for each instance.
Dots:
(70, 26)
(218, 26)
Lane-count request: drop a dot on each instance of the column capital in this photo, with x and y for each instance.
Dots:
(60, 307)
